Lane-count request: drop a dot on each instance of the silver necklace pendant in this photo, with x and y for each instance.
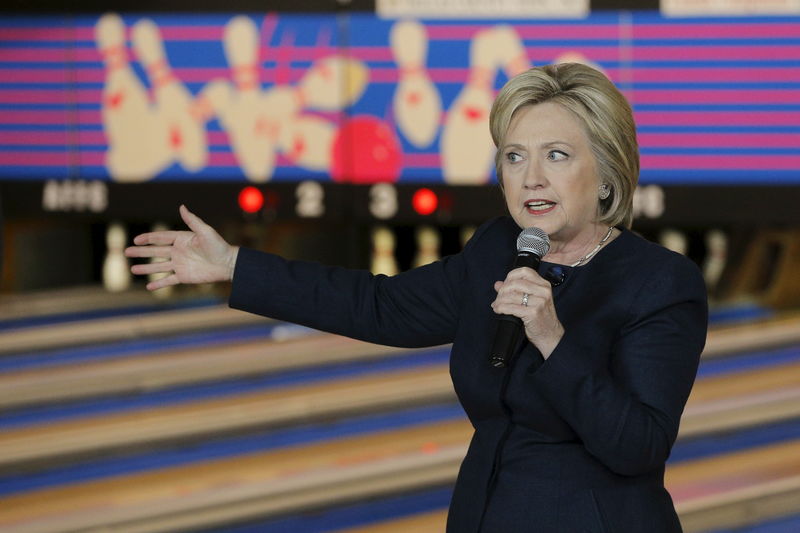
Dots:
(596, 248)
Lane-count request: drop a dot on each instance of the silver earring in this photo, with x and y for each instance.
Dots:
(605, 191)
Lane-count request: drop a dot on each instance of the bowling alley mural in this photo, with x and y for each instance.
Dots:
(359, 99)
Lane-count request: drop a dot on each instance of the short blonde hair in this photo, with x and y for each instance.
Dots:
(601, 108)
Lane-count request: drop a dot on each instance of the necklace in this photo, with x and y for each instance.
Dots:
(596, 248)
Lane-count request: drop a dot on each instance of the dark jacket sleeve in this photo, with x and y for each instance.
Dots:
(627, 414)
(413, 309)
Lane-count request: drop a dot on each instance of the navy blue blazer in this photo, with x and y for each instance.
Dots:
(576, 443)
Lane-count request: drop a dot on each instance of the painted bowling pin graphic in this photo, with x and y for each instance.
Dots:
(466, 144)
(307, 141)
(511, 54)
(417, 105)
(137, 135)
(187, 134)
(251, 118)
(116, 270)
(333, 83)
(577, 57)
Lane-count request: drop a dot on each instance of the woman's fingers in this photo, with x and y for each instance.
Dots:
(152, 268)
(194, 222)
(159, 238)
(149, 251)
(172, 279)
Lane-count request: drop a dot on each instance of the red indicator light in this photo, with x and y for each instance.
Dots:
(251, 200)
(424, 201)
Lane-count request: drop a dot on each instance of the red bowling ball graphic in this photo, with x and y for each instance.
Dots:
(366, 150)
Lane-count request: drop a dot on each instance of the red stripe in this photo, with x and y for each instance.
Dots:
(719, 140)
(50, 96)
(739, 52)
(716, 31)
(37, 159)
(714, 74)
(447, 32)
(44, 33)
(421, 160)
(721, 162)
(717, 118)
(54, 118)
(641, 30)
(715, 96)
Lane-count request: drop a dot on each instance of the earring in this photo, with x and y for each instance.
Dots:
(605, 191)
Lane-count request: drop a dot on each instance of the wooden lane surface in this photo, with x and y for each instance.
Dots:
(757, 335)
(100, 330)
(184, 366)
(731, 490)
(287, 405)
(718, 403)
(709, 492)
(175, 367)
(430, 522)
(741, 399)
(737, 489)
(34, 304)
(257, 481)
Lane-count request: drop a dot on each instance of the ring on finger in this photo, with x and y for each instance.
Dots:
(525, 299)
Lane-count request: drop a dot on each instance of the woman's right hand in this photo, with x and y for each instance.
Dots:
(197, 256)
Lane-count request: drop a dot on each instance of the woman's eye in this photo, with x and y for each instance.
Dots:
(513, 157)
(556, 155)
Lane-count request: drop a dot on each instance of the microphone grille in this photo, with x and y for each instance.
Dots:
(533, 240)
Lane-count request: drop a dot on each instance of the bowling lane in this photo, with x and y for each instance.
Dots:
(191, 419)
(326, 397)
(88, 301)
(81, 332)
(286, 479)
(302, 478)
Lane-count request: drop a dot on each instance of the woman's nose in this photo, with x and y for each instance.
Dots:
(534, 177)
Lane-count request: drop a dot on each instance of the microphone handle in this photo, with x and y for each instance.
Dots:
(509, 327)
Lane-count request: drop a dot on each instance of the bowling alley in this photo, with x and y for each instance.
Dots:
(378, 266)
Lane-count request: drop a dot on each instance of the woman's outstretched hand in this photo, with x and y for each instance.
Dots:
(197, 256)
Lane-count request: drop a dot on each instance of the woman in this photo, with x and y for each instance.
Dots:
(574, 434)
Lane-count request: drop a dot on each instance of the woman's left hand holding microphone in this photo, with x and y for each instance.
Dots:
(528, 296)
(200, 255)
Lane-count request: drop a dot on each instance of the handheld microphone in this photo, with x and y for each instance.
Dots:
(532, 245)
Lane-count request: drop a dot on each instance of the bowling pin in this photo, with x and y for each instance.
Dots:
(674, 240)
(187, 134)
(417, 105)
(252, 119)
(428, 242)
(467, 150)
(577, 57)
(716, 257)
(383, 245)
(164, 292)
(333, 83)
(137, 136)
(511, 54)
(116, 270)
(466, 234)
(307, 141)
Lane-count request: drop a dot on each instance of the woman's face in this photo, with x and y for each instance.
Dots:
(550, 174)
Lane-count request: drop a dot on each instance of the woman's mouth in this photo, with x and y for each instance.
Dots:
(539, 207)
